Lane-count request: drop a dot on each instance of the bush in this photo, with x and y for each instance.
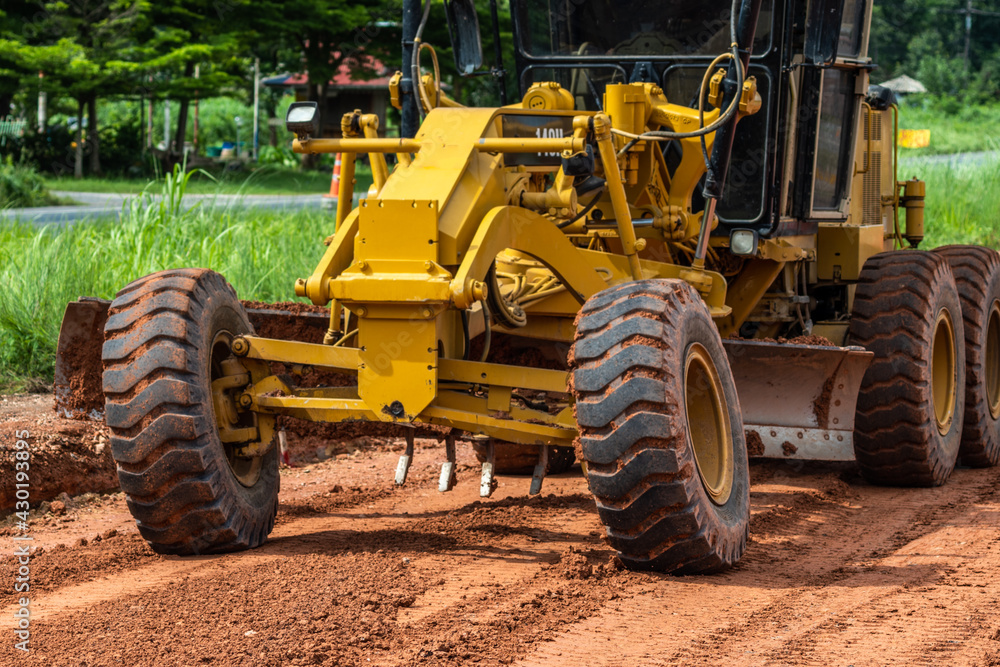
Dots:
(281, 156)
(49, 152)
(122, 151)
(21, 186)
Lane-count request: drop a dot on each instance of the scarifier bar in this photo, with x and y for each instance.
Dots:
(799, 399)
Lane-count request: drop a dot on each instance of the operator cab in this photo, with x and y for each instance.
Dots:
(792, 161)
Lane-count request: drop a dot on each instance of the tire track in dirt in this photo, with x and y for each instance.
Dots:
(464, 577)
(500, 617)
(889, 571)
(71, 599)
(804, 566)
(837, 573)
(467, 576)
(925, 601)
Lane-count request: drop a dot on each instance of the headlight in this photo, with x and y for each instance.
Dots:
(743, 242)
(303, 119)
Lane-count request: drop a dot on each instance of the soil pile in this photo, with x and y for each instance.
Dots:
(66, 456)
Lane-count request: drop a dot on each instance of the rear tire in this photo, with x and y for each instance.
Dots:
(910, 406)
(165, 337)
(660, 428)
(977, 274)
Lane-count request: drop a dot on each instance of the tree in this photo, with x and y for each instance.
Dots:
(186, 37)
(13, 17)
(321, 33)
(81, 47)
(927, 39)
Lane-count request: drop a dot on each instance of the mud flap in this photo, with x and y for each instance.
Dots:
(77, 379)
(798, 401)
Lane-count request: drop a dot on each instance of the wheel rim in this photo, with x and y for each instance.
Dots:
(709, 432)
(993, 360)
(943, 369)
(246, 469)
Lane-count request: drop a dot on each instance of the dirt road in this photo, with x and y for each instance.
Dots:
(360, 573)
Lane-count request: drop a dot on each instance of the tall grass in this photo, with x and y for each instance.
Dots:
(267, 180)
(963, 201)
(261, 252)
(963, 129)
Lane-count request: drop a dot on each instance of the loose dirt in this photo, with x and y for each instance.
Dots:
(67, 455)
(359, 572)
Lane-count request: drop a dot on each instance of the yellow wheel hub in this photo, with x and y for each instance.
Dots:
(993, 360)
(943, 371)
(246, 469)
(708, 425)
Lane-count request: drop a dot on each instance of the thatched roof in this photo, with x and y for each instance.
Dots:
(904, 84)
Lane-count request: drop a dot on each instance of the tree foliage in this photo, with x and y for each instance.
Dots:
(925, 39)
(96, 50)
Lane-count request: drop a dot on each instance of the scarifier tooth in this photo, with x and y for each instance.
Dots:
(488, 482)
(447, 480)
(403, 467)
(283, 447)
(448, 477)
(538, 476)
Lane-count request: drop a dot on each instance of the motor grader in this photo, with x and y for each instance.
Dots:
(700, 201)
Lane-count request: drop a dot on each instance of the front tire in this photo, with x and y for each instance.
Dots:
(661, 429)
(166, 341)
(909, 412)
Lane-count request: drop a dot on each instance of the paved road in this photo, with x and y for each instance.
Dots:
(954, 159)
(93, 205)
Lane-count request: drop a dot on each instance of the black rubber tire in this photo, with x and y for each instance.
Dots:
(977, 275)
(897, 440)
(628, 378)
(177, 480)
(513, 459)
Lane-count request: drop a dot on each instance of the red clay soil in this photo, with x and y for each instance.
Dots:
(511, 349)
(819, 341)
(84, 394)
(290, 327)
(358, 572)
(755, 445)
(66, 456)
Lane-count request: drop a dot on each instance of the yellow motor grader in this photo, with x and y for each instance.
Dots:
(698, 200)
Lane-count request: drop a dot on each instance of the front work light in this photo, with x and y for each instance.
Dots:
(743, 242)
(303, 119)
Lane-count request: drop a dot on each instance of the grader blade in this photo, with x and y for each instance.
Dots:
(77, 378)
(78, 359)
(798, 401)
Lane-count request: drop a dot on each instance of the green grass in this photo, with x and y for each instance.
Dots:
(959, 130)
(262, 181)
(260, 252)
(963, 202)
